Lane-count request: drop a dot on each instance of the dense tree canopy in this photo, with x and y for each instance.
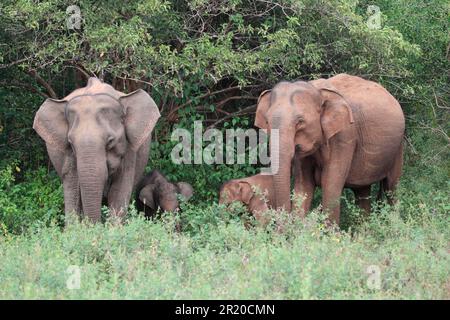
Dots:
(185, 49)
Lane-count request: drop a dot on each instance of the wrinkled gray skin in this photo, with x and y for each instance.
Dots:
(154, 191)
(98, 140)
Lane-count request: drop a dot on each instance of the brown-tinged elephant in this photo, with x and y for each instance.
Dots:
(98, 140)
(341, 132)
(155, 191)
(255, 192)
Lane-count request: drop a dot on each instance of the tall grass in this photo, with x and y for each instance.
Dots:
(387, 256)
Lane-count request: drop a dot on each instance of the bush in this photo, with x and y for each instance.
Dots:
(224, 260)
(38, 199)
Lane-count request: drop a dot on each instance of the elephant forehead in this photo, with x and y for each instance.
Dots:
(283, 85)
(93, 103)
(93, 87)
(169, 196)
(287, 89)
(167, 189)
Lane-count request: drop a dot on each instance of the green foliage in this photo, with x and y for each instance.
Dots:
(224, 260)
(17, 138)
(37, 200)
(174, 43)
(206, 179)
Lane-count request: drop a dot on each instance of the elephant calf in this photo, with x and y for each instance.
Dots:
(155, 191)
(255, 192)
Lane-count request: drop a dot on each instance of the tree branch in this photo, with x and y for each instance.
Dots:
(241, 112)
(208, 94)
(224, 101)
(17, 84)
(4, 66)
(43, 83)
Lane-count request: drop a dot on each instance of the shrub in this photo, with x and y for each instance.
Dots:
(37, 199)
(224, 260)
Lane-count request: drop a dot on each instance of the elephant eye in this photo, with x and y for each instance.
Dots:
(300, 121)
(110, 143)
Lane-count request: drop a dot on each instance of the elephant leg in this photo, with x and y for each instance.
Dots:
(337, 161)
(119, 195)
(331, 193)
(362, 196)
(141, 160)
(66, 168)
(304, 184)
(122, 186)
(72, 201)
(393, 177)
(333, 179)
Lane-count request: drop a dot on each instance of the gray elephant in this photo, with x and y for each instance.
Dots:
(155, 191)
(98, 140)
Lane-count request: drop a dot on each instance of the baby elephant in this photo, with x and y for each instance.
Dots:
(252, 191)
(155, 191)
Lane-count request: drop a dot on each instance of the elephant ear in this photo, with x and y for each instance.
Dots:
(141, 117)
(246, 192)
(146, 195)
(262, 106)
(51, 124)
(336, 113)
(185, 189)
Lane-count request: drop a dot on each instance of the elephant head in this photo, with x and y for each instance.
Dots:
(155, 191)
(307, 115)
(254, 192)
(235, 190)
(90, 132)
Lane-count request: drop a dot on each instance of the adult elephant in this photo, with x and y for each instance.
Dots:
(98, 140)
(341, 132)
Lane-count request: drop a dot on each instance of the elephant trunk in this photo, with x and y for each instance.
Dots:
(282, 178)
(92, 174)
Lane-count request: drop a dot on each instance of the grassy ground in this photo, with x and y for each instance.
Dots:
(391, 255)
